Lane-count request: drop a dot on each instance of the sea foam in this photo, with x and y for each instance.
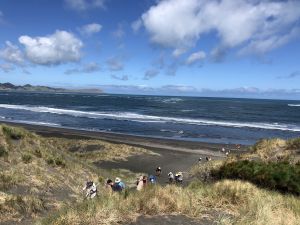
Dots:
(130, 116)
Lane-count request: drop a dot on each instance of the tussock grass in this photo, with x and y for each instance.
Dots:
(7, 181)
(37, 166)
(238, 202)
(3, 151)
(15, 133)
(293, 144)
(26, 158)
(271, 149)
(96, 150)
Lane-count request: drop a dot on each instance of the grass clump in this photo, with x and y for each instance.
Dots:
(14, 132)
(293, 144)
(26, 158)
(38, 153)
(56, 161)
(3, 151)
(279, 176)
(7, 181)
(25, 204)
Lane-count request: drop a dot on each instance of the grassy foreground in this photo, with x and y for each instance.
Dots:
(41, 181)
(224, 202)
(39, 175)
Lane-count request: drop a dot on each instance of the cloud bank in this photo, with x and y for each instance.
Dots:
(253, 26)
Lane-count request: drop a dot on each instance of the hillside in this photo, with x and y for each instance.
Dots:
(31, 88)
(41, 182)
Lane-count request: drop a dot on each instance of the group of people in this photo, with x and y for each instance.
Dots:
(177, 178)
(91, 190)
(142, 181)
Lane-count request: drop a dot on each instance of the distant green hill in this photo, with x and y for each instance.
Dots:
(38, 88)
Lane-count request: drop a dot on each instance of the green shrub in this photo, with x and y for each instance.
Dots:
(26, 158)
(277, 176)
(3, 151)
(13, 132)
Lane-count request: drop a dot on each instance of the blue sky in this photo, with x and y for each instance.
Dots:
(235, 48)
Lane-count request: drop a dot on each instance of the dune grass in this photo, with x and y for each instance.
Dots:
(45, 169)
(227, 202)
(40, 174)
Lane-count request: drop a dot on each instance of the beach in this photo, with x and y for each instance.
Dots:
(171, 155)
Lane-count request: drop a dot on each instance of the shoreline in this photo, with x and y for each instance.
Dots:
(194, 147)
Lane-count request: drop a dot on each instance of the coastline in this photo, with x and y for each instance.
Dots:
(152, 143)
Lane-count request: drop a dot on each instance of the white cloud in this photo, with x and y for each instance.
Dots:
(119, 32)
(151, 73)
(115, 63)
(83, 5)
(122, 78)
(180, 24)
(86, 68)
(261, 46)
(11, 53)
(1, 17)
(6, 67)
(58, 48)
(179, 51)
(136, 25)
(90, 29)
(195, 57)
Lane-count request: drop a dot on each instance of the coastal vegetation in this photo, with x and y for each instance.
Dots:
(39, 88)
(41, 180)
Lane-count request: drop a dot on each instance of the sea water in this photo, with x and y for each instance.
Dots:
(218, 120)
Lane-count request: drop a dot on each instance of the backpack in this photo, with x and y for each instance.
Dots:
(117, 187)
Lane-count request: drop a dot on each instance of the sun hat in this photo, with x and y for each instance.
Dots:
(117, 180)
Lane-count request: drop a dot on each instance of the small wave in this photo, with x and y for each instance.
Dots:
(187, 110)
(294, 105)
(152, 119)
(32, 122)
(172, 100)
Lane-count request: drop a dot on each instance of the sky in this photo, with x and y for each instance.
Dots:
(240, 48)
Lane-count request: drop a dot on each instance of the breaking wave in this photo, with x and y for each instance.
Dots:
(129, 116)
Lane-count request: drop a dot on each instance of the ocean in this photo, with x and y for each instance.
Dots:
(215, 120)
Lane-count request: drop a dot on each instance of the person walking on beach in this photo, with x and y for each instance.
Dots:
(158, 171)
(171, 177)
(152, 179)
(145, 180)
(139, 183)
(179, 178)
(118, 186)
(109, 185)
(91, 189)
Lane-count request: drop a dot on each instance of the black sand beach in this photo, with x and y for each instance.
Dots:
(172, 155)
